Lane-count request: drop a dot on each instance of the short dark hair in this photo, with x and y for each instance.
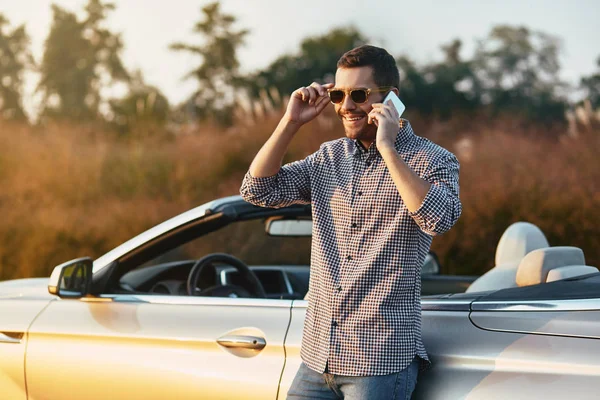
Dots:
(383, 64)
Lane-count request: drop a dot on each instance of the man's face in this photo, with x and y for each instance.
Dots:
(354, 116)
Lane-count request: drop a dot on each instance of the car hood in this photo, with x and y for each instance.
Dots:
(30, 288)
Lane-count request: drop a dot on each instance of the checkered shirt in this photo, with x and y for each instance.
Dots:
(364, 308)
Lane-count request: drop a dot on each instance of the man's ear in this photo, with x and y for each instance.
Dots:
(395, 90)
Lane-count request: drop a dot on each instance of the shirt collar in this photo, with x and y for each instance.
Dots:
(404, 135)
(360, 148)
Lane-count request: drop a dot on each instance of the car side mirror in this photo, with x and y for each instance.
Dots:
(72, 279)
(431, 265)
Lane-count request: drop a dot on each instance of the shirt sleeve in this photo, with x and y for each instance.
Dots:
(291, 185)
(441, 207)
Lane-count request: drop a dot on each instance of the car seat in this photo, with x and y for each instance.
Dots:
(552, 264)
(516, 242)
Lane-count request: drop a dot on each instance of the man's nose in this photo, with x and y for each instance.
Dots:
(347, 103)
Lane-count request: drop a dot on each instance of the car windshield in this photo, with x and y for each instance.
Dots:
(246, 240)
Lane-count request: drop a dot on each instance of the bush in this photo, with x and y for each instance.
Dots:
(73, 190)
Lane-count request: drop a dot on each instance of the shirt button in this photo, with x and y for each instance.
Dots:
(354, 225)
(349, 258)
(339, 288)
(360, 193)
(368, 163)
(334, 324)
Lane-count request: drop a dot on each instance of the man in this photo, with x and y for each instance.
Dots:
(378, 196)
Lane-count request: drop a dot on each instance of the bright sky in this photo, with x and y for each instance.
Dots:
(416, 28)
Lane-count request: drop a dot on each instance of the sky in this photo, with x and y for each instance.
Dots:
(414, 28)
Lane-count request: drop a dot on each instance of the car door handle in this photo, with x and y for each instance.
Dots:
(242, 342)
(11, 337)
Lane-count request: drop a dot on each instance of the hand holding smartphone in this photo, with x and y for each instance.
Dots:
(400, 107)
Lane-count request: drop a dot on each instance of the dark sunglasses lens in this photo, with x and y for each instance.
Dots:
(358, 96)
(336, 96)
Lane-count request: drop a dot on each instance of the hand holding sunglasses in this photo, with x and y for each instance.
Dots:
(307, 102)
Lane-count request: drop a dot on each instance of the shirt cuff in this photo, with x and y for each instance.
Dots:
(264, 180)
(255, 190)
(431, 210)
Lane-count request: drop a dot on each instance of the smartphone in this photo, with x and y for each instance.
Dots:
(400, 107)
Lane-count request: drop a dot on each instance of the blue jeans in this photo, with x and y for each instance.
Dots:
(309, 384)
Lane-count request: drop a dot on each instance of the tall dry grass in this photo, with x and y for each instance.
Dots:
(69, 191)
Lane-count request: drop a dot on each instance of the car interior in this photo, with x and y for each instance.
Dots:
(214, 259)
(266, 254)
(524, 258)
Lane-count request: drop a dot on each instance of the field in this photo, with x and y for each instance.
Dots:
(79, 190)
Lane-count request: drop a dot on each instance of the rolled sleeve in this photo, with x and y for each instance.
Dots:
(291, 185)
(441, 207)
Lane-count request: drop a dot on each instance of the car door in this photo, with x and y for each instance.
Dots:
(157, 347)
(293, 341)
(541, 346)
(495, 346)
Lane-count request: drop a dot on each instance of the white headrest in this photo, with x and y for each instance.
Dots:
(519, 239)
(571, 271)
(500, 277)
(534, 267)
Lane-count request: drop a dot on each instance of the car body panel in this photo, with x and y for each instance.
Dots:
(497, 365)
(20, 302)
(142, 347)
(583, 324)
(551, 305)
(32, 288)
(501, 365)
(17, 314)
(12, 370)
(292, 346)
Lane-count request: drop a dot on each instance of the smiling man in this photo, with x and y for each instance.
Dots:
(378, 197)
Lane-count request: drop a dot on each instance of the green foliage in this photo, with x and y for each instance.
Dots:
(442, 87)
(518, 70)
(591, 86)
(14, 59)
(316, 62)
(514, 70)
(80, 57)
(142, 104)
(217, 75)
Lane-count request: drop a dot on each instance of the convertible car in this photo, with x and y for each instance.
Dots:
(210, 305)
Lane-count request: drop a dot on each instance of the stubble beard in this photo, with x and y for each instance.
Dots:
(365, 133)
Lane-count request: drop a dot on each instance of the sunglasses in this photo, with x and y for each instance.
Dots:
(358, 96)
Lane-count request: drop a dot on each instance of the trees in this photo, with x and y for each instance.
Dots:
(316, 62)
(79, 58)
(440, 88)
(454, 82)
(518, 70)
(591, 86)
(218, 74)
(14, 59)
(143, 103)
(514, 70)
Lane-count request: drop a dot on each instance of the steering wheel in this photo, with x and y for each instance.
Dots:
(251, 285)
